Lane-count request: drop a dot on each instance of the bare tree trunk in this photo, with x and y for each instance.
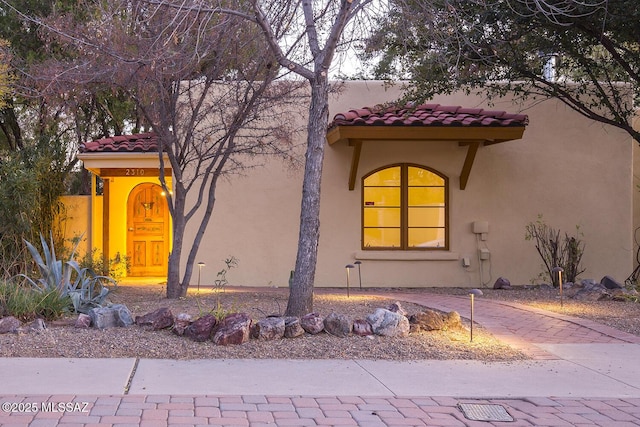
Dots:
(301, 290)
(176, 289)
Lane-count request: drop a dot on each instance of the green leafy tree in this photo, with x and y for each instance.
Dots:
(31, 183)
(5, 76)
(584, 53)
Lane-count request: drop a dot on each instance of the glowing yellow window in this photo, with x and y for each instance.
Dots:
(404, 207)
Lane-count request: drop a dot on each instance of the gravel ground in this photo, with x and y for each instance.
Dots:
(61, 339)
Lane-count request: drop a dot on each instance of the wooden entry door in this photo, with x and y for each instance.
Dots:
(147, 231)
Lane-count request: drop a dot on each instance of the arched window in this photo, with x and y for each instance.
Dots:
(404, 207)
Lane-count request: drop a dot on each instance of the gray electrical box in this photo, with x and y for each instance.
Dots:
(480, 227)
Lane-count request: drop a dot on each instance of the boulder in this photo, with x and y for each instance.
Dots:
(123, 315)
(362, 328)
(502, 283)
(9, 325)
(338, 325)
(269, 329)
(201, 329)
(36, 326)
(610, 283)
(103, 317)
(431, 320)
(388, 323)
(234, 329)
(397, 308)
(427, 320)
(181, 322)
(112, 316)
(587, 282)
(312, 323)
(591, 291)
(452, 320)
(292, 327)
(160, 319)
(83, 321)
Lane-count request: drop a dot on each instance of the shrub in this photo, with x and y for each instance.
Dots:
(31, 182)
(117, 267)
(556, 251)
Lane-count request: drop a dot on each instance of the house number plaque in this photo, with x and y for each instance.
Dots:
(133, 172)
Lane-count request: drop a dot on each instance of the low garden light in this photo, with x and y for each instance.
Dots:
(559, 271)
(200, 265)
(359, 274)
(472, 294)
(348, 267)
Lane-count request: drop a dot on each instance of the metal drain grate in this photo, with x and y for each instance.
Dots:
(478, 412)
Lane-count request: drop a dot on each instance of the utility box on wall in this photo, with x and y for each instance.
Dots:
(480, 227)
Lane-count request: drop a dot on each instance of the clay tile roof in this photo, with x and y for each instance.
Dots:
(139, 143)
(427, 115)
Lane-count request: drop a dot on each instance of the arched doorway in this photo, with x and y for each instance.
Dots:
(147, 231)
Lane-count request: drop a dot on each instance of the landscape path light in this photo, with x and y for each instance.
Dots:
(473, 293)
(348, 267)
(359, 274)
(200, 265)
(559, 270)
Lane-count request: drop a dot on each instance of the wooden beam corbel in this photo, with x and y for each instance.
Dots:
(472, 149)
(355, 159)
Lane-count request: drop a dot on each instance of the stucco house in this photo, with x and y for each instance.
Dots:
(436, 196)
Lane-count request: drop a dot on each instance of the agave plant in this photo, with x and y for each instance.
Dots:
(85, 289)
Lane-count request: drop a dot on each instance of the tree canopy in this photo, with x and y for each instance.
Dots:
(203, 82)
(585, 53)
(5, 76)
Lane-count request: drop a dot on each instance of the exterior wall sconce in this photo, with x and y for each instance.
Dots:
(473, 293)
(359, 275)
(200, 265)
(559, 271)
(348, 267)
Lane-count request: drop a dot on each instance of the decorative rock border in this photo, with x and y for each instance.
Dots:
(238, 328)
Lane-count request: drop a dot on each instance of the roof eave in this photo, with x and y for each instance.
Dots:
(488, 134)
(96, 161)
(470, 136)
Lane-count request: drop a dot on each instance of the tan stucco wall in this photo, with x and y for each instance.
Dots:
(569, 169)
(76, 220)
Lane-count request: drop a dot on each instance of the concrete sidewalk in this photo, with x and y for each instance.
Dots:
(585, 370)
(590, 376)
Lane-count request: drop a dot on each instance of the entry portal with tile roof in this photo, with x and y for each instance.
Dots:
(428, 122)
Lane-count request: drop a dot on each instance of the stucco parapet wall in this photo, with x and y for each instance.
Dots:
(406, 256)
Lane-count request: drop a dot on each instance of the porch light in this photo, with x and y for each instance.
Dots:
(348, 267)
(559, 271)
(472, 294)
(200, 265)
(359, 275)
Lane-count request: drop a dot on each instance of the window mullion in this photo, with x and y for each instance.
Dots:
(404, 208)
